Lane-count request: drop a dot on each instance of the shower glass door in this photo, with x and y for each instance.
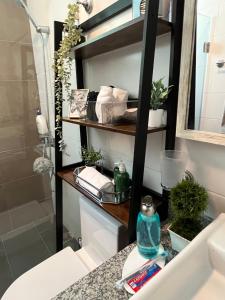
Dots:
(27, 219)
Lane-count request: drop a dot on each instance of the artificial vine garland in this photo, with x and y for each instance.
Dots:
(63, 64)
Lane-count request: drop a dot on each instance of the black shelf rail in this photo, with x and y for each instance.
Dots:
(151, 25)
(174, 72)
(124, 35)
(58, 29)
(147, 66)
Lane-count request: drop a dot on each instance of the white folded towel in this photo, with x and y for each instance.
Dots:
(111, 104)
(102, 110)
(95, 178)
(120, 106)
(120, 95)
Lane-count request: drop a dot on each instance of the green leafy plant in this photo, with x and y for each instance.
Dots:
(90, 156)
(159, 94)
(188, 201)
(63, 63)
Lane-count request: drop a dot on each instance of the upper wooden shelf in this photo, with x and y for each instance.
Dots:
(124, 35)
(118, 211)
(129, 129)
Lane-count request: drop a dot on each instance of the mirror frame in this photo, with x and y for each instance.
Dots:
(188, 42)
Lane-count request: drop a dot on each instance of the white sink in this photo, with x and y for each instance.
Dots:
(197, 273)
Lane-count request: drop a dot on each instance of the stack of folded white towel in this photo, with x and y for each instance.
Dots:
(98, 182)
(111, 104)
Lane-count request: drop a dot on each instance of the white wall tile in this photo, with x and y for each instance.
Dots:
(222, 8)
(121, 68)
(71, 136)
(211, 125)
(207, 163)
(214, 91)
(152, 180)
(155, 143)
(216, 205)
(98, 139)
(208, 7)
(121, 143)
(212, 110)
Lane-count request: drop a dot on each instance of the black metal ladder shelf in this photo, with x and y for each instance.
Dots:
(143, 29)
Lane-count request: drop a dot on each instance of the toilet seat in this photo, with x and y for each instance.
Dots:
(50, 277)
(100, 235)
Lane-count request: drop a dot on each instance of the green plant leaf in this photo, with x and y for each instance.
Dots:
(63, 61)
(90, 156)
(159, 94)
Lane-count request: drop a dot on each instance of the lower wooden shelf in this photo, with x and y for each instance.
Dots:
(118, 211)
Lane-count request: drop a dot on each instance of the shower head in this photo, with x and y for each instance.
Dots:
(87, 4)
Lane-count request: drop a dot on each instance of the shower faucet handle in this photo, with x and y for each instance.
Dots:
(87, 4)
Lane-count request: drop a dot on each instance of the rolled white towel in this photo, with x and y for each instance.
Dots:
(95, 178)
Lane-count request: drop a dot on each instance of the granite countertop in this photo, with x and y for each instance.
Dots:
(100, 283)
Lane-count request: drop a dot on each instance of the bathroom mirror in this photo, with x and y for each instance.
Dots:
(201, 105)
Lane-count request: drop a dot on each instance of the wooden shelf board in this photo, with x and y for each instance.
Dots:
(129, 129)
(119, 211)
(124, 35)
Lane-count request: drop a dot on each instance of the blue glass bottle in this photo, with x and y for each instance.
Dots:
(148, 229)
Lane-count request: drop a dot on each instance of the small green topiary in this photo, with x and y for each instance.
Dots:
(188, 202)
(90, 156)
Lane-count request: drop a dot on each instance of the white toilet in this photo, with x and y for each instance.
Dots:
(100, 240)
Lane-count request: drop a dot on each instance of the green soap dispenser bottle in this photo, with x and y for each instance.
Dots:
(122, 181)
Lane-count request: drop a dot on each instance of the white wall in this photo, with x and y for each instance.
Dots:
(121, 67)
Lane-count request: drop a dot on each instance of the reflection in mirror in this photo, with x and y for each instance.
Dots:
(207, 99)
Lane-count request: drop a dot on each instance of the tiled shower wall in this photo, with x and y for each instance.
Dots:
(19, 99)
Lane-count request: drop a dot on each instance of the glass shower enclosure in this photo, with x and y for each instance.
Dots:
(27, 218)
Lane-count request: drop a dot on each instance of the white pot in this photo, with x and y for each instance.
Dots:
(177, 241)
(164, 118)
(155, 118)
